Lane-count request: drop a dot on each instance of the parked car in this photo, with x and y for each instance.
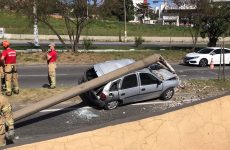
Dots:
(145, 84)
(204, 56)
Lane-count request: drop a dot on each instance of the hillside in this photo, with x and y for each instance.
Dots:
(18, 24)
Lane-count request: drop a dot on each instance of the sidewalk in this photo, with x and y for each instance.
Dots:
(197, 127)
(30, 37)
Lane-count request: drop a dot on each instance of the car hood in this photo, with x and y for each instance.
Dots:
(109, 66)
(193, 54)
(164, 74)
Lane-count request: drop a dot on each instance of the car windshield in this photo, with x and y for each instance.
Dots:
(205, 51)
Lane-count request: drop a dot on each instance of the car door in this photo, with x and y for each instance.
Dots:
(150, 87)
(114, 90)
(227, 56)
(216, 56)
(129, 89)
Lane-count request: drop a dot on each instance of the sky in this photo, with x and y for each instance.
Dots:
(154, 5)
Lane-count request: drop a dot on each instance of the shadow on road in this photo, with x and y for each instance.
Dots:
(28, 121)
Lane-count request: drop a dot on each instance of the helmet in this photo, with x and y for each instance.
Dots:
(5, 44)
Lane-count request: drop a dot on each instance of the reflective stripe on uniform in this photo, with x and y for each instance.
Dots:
(6, 108)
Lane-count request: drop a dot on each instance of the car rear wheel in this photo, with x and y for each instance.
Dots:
(111, 105)
(203, 62)
(168, 94)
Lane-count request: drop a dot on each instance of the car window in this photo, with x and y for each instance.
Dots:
(147, 79)
(114, 86)
(129, 81)
(217, 51)
(205, 51)
(226, 51)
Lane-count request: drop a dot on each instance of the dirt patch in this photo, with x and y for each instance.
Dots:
(201, 89)
(95, 57)
(32, 95)
(193, 90)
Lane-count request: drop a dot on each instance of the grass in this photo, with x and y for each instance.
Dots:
(94, 57)
(18, 24)
(31, 95)
(193, 87)
(219, 84)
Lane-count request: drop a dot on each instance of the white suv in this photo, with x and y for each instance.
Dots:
(204, 56)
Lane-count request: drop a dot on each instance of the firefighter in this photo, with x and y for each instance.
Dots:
(51, 61)
(6, 121)
(2, 78)
(9, 58)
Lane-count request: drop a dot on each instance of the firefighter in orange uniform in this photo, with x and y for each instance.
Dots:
(2, 79)
(51, 60)
(6, 121)
(9, 58)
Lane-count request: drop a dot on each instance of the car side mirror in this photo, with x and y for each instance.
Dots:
(212, 53)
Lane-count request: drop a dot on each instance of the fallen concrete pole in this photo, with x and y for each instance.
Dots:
(46, 103)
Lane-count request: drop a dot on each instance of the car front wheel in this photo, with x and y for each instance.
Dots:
(203, 62)
(168, 94)
(111, 105)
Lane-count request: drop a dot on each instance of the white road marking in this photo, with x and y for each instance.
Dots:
(39, 75)
(136, 104)
(164, 102)
(150, 103)
(58, 109)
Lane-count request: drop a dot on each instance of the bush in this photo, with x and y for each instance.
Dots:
(138, 41)
(87, 43)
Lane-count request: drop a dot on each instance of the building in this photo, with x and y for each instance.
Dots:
(172, 14)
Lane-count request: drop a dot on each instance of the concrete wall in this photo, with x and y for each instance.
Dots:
(107, 38)
(205, 126)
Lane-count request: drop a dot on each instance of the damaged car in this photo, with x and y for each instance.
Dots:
(153, 82)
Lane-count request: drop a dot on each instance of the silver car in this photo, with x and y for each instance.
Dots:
(149, 83)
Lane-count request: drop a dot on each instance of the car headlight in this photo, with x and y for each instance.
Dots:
(195, 57)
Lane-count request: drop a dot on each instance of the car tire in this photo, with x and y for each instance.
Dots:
(203, 62)
(167, 94)
(111, 105)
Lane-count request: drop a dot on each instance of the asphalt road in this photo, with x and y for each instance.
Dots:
(65, 119)
(70, 117)
(35, 76)
(114, 44)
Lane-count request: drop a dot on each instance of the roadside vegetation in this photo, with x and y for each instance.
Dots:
(193, 89)
(15, 23)
(77, 18)
(95, 57)
(201, 89)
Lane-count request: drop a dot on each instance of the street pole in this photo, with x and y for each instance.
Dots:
(125, 38)
(36, 42)
(223, 52)
(87, 11)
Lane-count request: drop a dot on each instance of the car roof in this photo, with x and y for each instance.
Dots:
(216, 47)
(109, 66)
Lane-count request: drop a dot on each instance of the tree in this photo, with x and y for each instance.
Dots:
(210, 19)
(216, 23)
(115, 9)
(142, 10)
(118, 10)
(44, 10)
(153, 15)
(75, 14)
